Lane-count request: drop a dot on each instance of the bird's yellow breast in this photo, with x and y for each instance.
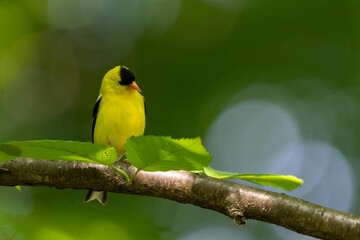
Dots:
(119, 117)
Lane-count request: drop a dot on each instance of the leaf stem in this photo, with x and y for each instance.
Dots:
(128, 180)
(134, 175)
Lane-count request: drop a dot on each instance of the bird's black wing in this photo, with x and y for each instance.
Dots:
(94, 116)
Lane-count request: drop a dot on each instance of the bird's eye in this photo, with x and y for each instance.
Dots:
(126, 76)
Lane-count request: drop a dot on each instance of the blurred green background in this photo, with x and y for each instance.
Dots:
(270, 86)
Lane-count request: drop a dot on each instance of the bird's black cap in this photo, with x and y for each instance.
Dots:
(126, 76)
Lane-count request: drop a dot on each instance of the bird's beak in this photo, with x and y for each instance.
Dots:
(134, 86)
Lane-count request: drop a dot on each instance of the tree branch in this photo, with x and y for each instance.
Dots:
(237, 201)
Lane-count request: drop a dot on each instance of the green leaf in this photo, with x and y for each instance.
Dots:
(151, 153)
(58, 150)
(285, 182)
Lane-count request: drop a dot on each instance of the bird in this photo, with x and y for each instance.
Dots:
(118, 113)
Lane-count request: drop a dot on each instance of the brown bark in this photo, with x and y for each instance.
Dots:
(237, 201)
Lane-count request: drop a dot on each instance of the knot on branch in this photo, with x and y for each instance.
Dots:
(237, 214)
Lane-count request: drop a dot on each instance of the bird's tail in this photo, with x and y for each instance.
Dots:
(101, 196)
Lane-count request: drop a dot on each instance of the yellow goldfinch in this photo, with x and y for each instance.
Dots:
(118, 114)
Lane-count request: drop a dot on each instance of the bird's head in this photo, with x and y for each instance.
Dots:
(119, 80)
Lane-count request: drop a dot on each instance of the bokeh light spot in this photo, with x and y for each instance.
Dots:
(261, 136)
(246, 135)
